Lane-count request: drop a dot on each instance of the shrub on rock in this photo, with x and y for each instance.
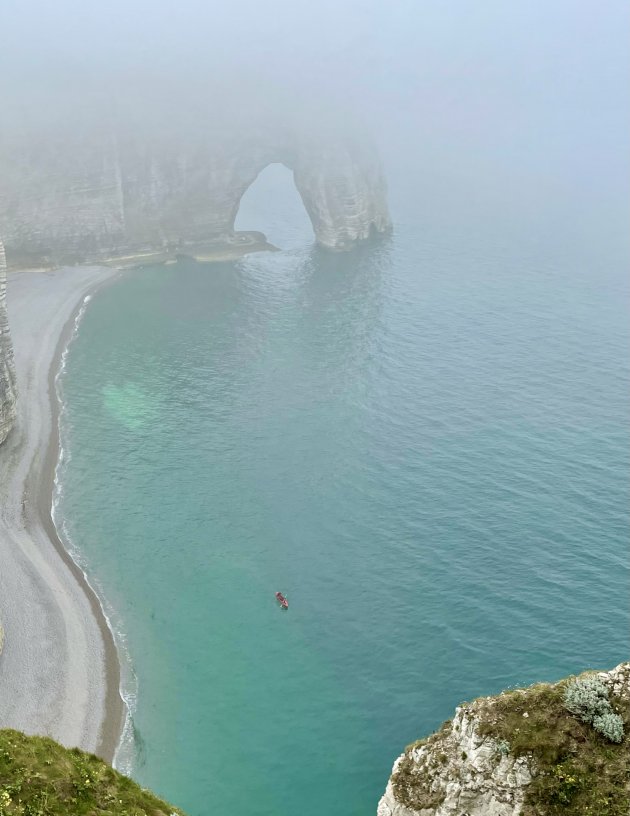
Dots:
(610, 726)
(587, 698)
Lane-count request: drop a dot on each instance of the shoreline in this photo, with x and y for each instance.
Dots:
(60, 671)
(115, 707)
(29, 458)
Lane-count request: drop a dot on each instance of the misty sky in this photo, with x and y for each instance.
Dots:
(566, 54)
(468, 85)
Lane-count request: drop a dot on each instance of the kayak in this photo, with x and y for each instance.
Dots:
(282, 600)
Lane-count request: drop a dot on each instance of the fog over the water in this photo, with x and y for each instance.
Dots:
(485, 109)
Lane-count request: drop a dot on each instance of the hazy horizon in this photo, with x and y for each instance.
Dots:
(448, 65)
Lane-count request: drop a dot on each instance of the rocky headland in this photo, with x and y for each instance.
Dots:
(73, 196)
(521, 753)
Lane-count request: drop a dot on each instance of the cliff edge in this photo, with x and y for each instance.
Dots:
(39, 777)
(523, 753)
(7, 368)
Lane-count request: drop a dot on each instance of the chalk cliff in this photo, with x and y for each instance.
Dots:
(71, 196)
(518, 754)
(7, 370)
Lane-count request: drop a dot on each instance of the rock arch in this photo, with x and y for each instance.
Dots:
(104, 195)
(344, 197)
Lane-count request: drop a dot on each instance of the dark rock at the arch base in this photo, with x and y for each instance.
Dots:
(69, 198)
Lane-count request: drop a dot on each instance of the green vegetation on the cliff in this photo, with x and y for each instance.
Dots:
(579, 772)
(558, 749)
(38, 777)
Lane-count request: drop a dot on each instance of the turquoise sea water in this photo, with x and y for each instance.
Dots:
(423, 444)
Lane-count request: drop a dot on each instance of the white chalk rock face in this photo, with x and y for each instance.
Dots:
(98, 195)
(456, 772)
(8, 392)
(461, 771)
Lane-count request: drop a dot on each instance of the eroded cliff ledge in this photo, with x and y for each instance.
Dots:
(7, 368)
(70, 194)
(521, 753)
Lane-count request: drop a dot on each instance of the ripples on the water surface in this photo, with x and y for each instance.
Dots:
(424, 448)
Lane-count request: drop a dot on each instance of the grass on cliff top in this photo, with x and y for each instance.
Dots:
(580, 773)
(38, 777)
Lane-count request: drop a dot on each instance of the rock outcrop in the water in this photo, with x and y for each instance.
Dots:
(520, 753)
(7, 369)
(69, 195)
